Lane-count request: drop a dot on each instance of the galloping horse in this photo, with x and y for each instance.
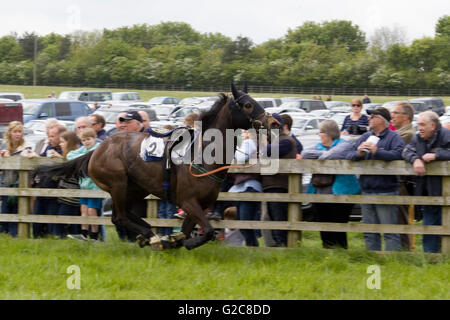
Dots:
(116, 167)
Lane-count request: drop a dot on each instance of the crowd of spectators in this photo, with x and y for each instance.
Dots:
(377, 142)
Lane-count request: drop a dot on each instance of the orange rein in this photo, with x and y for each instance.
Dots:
(218, 170)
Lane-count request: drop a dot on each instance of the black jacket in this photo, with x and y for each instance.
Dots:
(439, 144)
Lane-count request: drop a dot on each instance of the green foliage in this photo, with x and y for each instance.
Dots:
(38, 269)
(443, 26)
(331, 54)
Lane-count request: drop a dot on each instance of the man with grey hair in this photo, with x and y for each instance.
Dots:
(432, 143)
(82, 123)
(402, 117)
(388, 148)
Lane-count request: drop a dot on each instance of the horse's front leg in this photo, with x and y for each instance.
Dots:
(196, 216)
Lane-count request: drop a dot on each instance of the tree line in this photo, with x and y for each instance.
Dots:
(328, 54)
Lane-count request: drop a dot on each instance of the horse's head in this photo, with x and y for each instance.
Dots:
(246, 112)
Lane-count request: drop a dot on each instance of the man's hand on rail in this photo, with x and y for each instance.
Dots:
(428, 157)
(419, 167)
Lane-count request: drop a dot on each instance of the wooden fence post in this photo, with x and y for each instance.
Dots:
(294, 209)
(23, 206)
(446, 214)
(152, 211)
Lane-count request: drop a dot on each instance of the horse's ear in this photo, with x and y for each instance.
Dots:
(234, 91)
(245, 89)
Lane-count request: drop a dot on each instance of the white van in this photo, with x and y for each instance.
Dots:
(90, 97)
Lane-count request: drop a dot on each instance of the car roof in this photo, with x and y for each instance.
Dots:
(50, 100)
(427, 98)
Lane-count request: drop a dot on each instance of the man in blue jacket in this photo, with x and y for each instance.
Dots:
(388, 148)
(430, 144)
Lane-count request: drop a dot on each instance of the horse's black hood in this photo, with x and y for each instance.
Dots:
(244, 109)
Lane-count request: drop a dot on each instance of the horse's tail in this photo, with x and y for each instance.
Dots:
(76, 168)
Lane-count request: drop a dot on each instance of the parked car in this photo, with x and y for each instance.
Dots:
(302, 125)
(163, 111)
(53, 108)
(196, 100)
(15, 96)
(445, 118)
(289, 99)
(285, 110)
(178, 116)
(269, 102)
(329, 113)
(90, 97)
(9, 111)
(417, 105)
(433, 104)
(339, 118)
(306, 104)
(126, 96)
(370, 106)
(163, 100)
(334, 104)
(306, 129)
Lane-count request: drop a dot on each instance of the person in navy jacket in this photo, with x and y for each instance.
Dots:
(388, 148)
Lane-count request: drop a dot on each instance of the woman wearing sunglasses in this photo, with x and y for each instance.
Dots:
(354, 122)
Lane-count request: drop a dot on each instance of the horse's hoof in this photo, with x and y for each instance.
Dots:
(156, 244)
(178, 236)
(142, 241)
(190, 244)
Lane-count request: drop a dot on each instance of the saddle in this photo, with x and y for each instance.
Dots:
(169, 147)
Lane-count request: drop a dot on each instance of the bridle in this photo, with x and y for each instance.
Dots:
(255, 123)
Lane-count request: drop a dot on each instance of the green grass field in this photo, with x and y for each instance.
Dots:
(38, 269)
(31, 92)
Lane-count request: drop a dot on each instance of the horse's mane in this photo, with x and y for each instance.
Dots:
(208, 117)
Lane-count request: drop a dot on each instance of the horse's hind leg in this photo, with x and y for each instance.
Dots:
(197, 216)
(121, 218)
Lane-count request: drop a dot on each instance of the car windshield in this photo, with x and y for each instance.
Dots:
(339, 118)
(163, 111)
(299, 123)
(70, 95)
(290, 104)
(157, 100)
(35, 125)
(110, 116)
(191, 101)
(125, 96)
(184, 112)
(30, 107)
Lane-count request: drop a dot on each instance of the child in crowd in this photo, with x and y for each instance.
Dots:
(89, 206)
(68, 206)
(233, 237)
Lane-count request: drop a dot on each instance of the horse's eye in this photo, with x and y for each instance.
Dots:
(248, 105)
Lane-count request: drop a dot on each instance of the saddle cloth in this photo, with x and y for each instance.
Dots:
(172, 145)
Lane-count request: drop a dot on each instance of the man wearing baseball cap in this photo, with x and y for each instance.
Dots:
(388, 148)
(133, 121)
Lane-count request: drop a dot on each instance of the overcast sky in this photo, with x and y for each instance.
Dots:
(260, 20)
